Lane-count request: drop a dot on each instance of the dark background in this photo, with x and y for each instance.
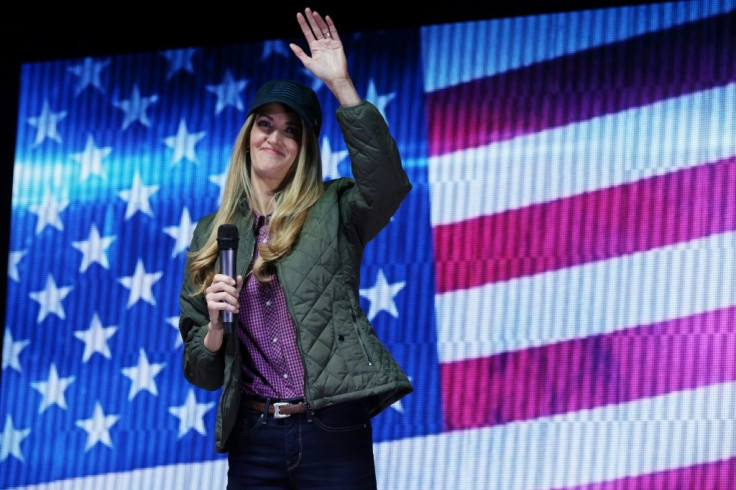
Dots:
(39, 31)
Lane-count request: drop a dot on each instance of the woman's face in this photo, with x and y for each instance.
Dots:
(274, 143)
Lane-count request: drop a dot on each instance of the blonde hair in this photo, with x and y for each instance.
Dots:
(301, 188)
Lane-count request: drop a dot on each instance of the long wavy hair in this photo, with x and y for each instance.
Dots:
(301, 188)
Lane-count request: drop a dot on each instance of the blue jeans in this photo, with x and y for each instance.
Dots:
(331, 449)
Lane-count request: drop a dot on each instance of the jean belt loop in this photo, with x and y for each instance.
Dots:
(264, 414)
(308, 414)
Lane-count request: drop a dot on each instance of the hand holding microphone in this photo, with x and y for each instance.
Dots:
(222, 294)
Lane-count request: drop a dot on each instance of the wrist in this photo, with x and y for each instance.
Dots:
(344, 90)
(213, 339)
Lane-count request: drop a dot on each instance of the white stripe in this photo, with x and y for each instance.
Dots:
(664, 137)
(654, 434)
(661, 433)
(486, 48)
(590, 299)
(210, 474)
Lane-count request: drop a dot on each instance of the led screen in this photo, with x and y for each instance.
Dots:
(559, 284)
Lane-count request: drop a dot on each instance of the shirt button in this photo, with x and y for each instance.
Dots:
(275, 340)
(268, 303)
(286, 376)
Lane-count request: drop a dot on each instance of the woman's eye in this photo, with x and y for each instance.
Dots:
(293, 130)
(263, 123)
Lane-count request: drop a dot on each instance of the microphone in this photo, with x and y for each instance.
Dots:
(227, 242)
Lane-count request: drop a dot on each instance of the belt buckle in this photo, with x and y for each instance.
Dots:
(276, 410)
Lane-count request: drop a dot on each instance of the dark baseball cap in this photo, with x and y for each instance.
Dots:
(296, 95)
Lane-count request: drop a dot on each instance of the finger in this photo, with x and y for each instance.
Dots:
(322, 26)
(223, 278)
(314, 20)
(222, 305)
(306, 30)
(332, 29)
(229, 298)
(225, 294)
(217, 295)
(298, 51)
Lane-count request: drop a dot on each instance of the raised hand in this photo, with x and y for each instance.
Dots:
(327, 61)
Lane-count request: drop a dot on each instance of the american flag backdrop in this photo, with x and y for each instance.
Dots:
(560, 284)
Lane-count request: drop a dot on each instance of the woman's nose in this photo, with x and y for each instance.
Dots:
(273, 136)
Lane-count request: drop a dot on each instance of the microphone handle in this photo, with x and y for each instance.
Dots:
(227, 261)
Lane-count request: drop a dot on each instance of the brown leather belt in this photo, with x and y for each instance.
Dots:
(277, 409)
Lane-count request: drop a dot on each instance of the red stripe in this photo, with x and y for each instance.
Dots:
(597, 225)
(718, 475)
(592, 372)
(604, 80)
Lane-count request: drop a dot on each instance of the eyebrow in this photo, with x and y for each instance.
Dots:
(293, 119)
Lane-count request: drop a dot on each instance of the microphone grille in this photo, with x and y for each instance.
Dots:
(227, 236)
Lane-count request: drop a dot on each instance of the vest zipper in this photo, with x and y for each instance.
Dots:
(360, 339)
(287, 297)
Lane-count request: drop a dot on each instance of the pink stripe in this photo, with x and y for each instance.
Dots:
(591, 372)
(604, 80)
(718, 475)
(597, 225)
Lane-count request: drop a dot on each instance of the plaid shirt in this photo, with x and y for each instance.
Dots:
(272, 365)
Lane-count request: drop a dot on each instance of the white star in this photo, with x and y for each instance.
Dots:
(10, 440)
(382, 295)
(182, 233)
(137, 197)
(91, 159)
(379, 101)
(330, 160)
(13, 259)
(183, 143)
(275, 47)
(140, 284)
(174, 322)
(135, 108)
(190, 415)
(50, 299)
(48, 213)
(52, 389)
(397, 405)
(95, 338)
(11, 351)
(46, 124)
(142, 375)
(98, 427)
(93, 249)
(89, 74)
(179, 59)
(227, 92)
(219, 180)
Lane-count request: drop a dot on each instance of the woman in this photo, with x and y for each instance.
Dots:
(302, 372)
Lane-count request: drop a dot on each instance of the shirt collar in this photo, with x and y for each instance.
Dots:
(259, 220)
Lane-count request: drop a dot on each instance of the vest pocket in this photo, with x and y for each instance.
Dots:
(361, 341)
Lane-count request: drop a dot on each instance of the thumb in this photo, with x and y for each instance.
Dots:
(299, 52)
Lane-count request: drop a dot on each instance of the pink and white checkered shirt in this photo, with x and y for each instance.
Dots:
(272, 366)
